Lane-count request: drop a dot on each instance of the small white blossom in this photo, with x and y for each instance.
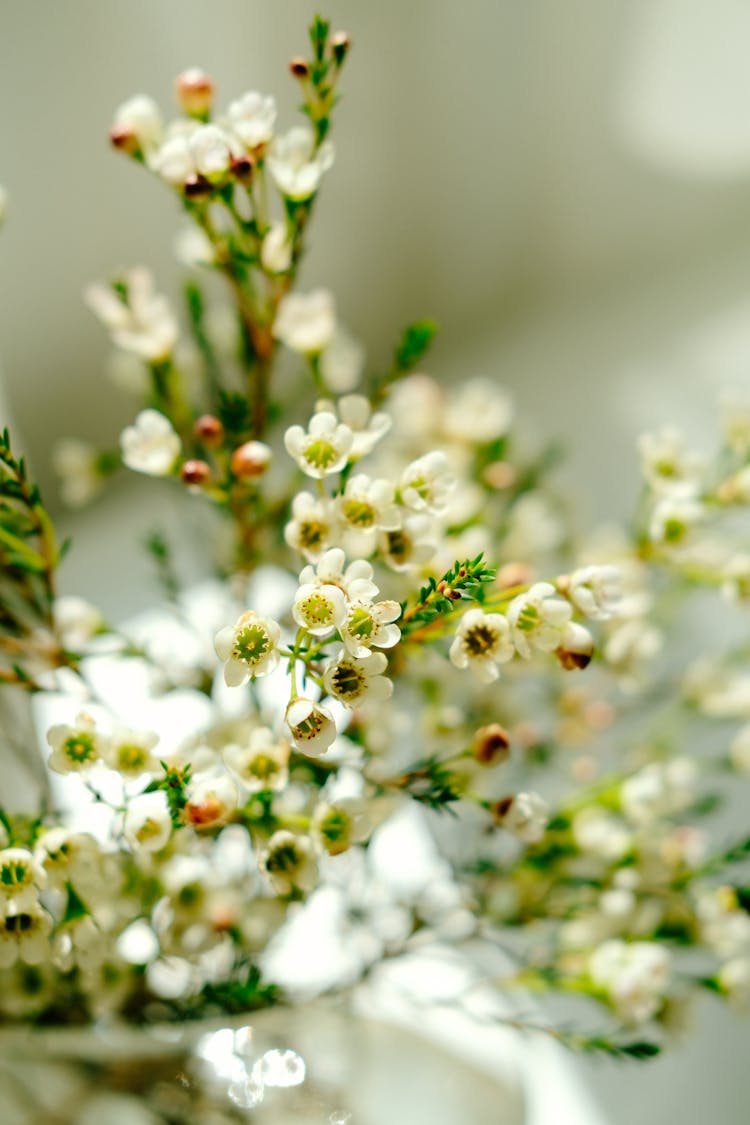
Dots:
(276, 249)
(478, 412)
(130, 752)
(725, 926)
(366, 507)
(70, 857)
(76, 747)
(24, 934)
(174, 161)
(409, 546)
(632, 643)
(339, 824)
(150, 445)
(367, 427)
(319, 608)
(289, 863)
(312, 727)
(355, 580)
(635, 976)
(211, 151)
(139, 319)
(342, 361)
(261, 763)
(734, 981)
(21, 877)
(524, 815)
(576, 646)
(77, 465)
(311, 529)
(659, 789)
(594, 590)
(252, 118)
(249, 648)
(295, 165)
(210, 801)
(537, 619)
(601, 834)
(305, 322)
(482, 642)
(673, 517)
(370, 625)
(322, 449)
(192, 247)
(666, 464)
(427, 483)
(354, 681)
(147, 825)
(76, 621)
(141, 119)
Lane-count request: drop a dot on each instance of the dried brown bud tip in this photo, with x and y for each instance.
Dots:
(251, 459)
(455, 595)
(501, 808)
(196, 186)
(340, 44)
(209, 430)
(194, 90)
(491, 745)
(299, 68)
(243, 167)
(124, 140)
(195, 472)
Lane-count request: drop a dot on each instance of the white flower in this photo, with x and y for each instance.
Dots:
(673, 518)
(70, 857)
(261, 763)
(249, 647)
(482, 642)
(129, 752)
(319, 608)
(139, 319)
(632, 643)
(370, 625)
(295, 165)
(305, 322)
(77, 465)
(658, 789)
(210, 801)
(311, 529)
(312, 727)
(366, 507)
(594, 590)
(252, 118)
(76, 747)
(289, 863)
(21, 877)
(734, 981)
(666, 464)
(576, 646)
(342, 361)
(276, 249)
(192, 247)
(410, 545)
(138, 118)
(426, 483)
(339, 824)
(147, 824)
(524, 815)
(537, 619)
(24, 934)
(211, 151)
(355, 581)
(368, 428)
(634, 975)
(598, 833)
(478, 412)
(76, 621)
(174, 160)
(150, 445)
(322, 449)
(353, 681)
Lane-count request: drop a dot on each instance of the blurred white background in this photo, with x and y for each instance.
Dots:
(565, 187)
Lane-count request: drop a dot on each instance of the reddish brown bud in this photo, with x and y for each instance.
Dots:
(194, 90)
(251, 459)
(243, 167)
(195, 472)
(501, 808)
(455, 595)
(209, 430)
(196, 186)
(299, 68)
(124, 140)
(491, 745)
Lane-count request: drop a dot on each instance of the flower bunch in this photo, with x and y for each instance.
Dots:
(434, 656)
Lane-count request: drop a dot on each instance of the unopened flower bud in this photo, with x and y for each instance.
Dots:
(299, 68)
(195, 472)
(576, 647)
(194, 90)
(251, 459)
(491, 745)
(243, 167)
(340, 44)
(513, 574)
(124, 140)
(209, 430)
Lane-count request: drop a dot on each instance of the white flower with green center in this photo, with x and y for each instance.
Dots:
(674, 517)
(139, 319)
(311, 726)
(251, 118)
(366, 507)
(370, 625)
(75, 748)
(21, 876)
(147, 824)
(537, 619)
(261, 764)
(426, 484)
(322, 449)
(305, 322)
(249, 648)
(355, 579)
(289, 863)
(24, 934)
(353, 681)
(595, 591)
(339, 824)
(319, 609)
(70, 857)
(297, 168)
(667, 465)
(150, 445)
(129, 752)
(482, 642)
(312, 528)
